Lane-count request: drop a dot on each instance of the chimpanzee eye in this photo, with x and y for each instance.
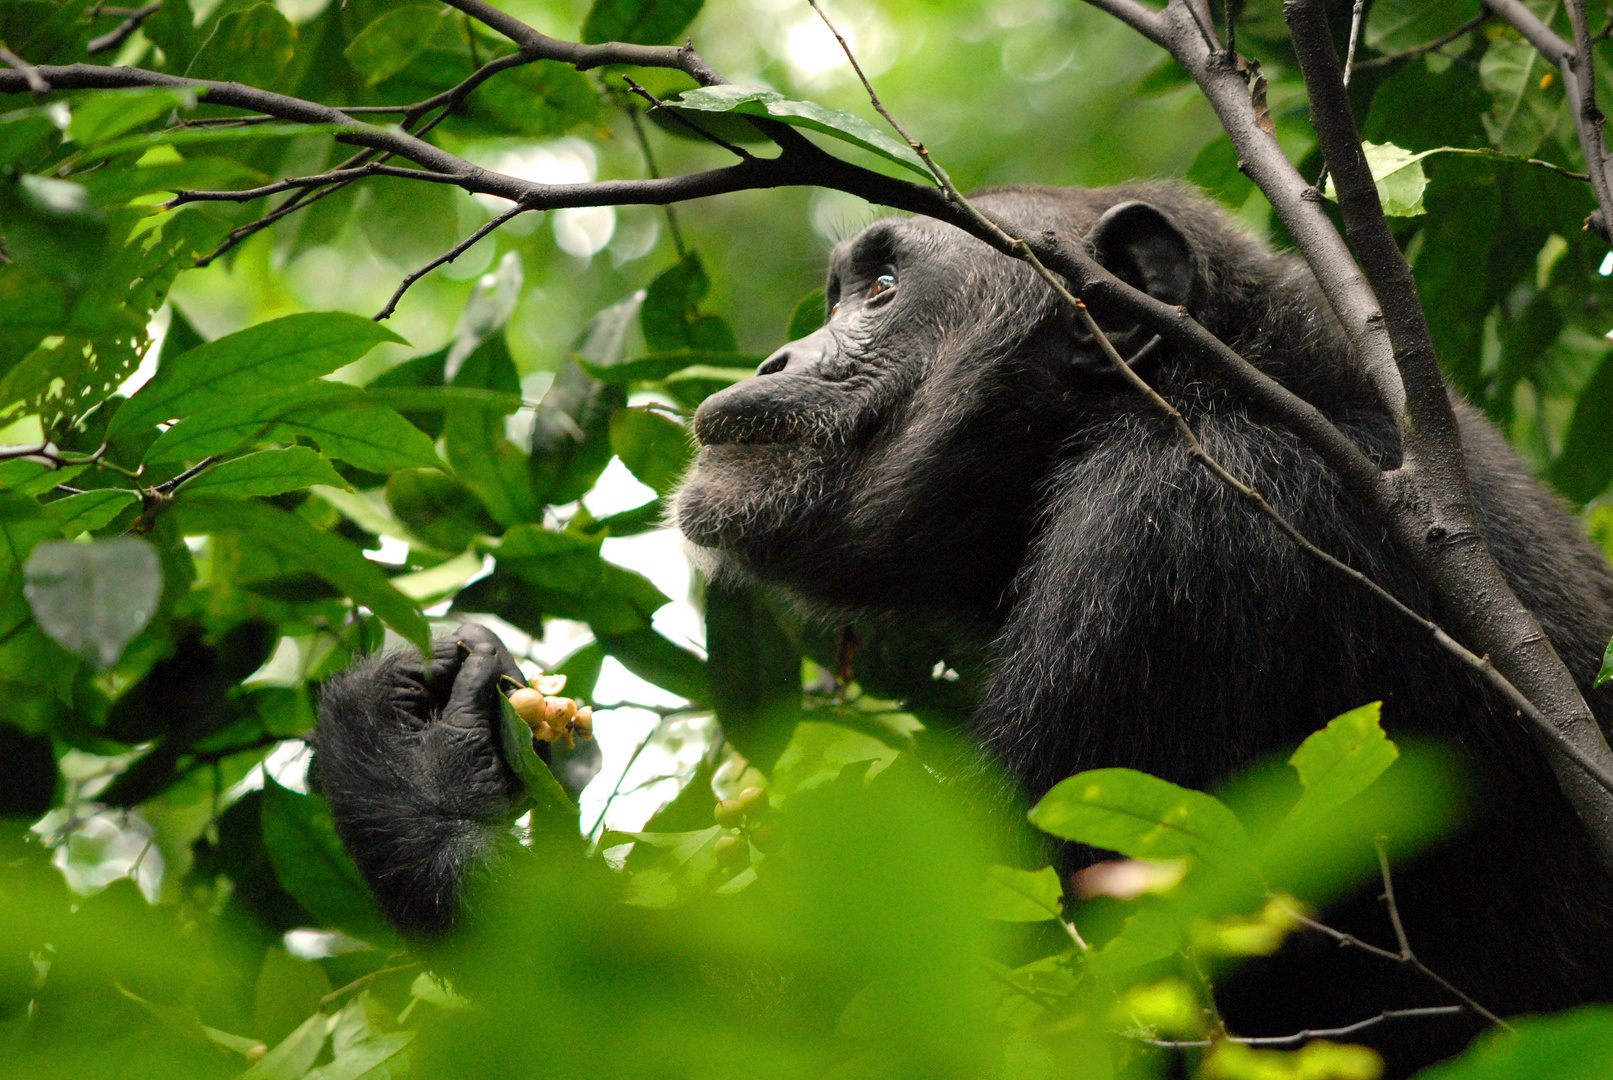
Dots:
(884, 283)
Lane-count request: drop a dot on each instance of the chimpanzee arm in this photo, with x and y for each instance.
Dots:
(412, 768)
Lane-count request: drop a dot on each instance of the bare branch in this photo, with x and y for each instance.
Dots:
(124, 30)
(650, 167)
(1300, 1038)
(447, 257)
(295, 182)
(656, 103)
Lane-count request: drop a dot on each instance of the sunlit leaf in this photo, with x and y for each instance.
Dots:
(90, 510)
(267, 472)
(1573, 1045)
(1399, 177)
(260, 359)
(108, 114)
(1140, 816)
(549, 799)
(1011, 895)
(755, 101)
(1337, 763)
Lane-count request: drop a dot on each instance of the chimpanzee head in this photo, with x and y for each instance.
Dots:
(895, 458)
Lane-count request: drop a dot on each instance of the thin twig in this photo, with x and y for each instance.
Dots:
(124, 30)
(447, 257)
(1381, 843)
(655, 173)
(36, 82)
(293, 183)
(167, 487)
(1300, 1038)
(599, 822)
(657, 103)
(1428, 46)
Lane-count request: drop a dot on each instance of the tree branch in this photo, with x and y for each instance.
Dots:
(124, 30)
(1300, 1038)
(447, 257)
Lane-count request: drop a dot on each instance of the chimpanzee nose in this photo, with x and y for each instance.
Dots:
(775, 363)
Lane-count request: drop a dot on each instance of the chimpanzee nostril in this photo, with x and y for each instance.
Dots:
(773, 364)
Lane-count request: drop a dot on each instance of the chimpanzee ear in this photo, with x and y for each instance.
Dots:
(1139, 245)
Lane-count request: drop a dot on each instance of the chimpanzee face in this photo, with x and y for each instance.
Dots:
(899, 446)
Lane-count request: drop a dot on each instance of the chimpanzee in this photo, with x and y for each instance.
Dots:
(952, 445)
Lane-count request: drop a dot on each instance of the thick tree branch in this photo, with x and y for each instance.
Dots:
(1298, 205)
(1427, 503)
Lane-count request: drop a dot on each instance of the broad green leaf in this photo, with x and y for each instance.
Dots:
(90, 510)
(1140, 816)
(1151, 934)
(267, 472)
(1215, 169)
(1011, 895)
(1573, 1045)
(1337, 763)
(292, 1056)
(654, 448)
(299, 544)
(549, 799)
(670, 317)
(109, 114)
(311, 863)
(756, 101)
(1606, 673)
(810, 314)
(641, 22)
(250, 47)
(346, 423)
(490, 465)
(754, 667)
(195, 136)
(1396, 25)
(366, 1057)
(260, 359)
(1523, 113)
(438, 508)
(1399, 177)
(387, 45)
(435, 583)
(565, 576)
(94, 598)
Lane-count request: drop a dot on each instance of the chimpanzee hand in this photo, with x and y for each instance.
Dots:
(408, 756)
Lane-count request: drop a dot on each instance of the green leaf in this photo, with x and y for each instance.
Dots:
(755, 671)
(295, 1054)
(267, 472)
(195, 136)
(1397, 25)
(388, 45)
(1523, 114)
(1011, 895)
(549, 799)
(437, 508)
(535, 101)
(258, 360)
(654, 448)
(108, 114)
(1398, 175)
(1606, 673)
(90, 510)
(757, 101)
(1337, 763)
(299, 544)
(810, 314)
(1573, 1045)
(640, 22)
(1140, 816)
(1215, 169)
(311, 863)
(1151, 934)
(346, 423)
(250, 47)
(94, 598)
(670, 304)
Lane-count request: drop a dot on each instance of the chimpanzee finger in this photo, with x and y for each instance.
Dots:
(473, 703)
(479, 638)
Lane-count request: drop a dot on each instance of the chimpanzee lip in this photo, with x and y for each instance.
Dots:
(731, 429)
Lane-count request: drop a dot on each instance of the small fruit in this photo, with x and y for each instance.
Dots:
(729, 814)
(732, 851)
(553, 719)
(767, 837)
(753, 800)
(529, 706)
(583, 722)
(549, 685)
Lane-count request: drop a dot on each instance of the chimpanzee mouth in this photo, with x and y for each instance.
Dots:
(720, 428)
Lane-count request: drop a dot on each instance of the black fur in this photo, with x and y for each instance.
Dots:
(951, 448)
(412, 769)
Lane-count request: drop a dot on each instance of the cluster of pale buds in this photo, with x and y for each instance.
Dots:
(552, 718)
